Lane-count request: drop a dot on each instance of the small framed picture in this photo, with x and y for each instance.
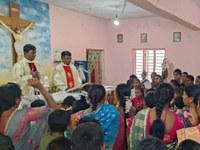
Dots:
(143, 38)
(177, 36)
(119, 38)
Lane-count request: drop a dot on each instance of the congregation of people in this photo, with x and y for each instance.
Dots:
(156, 114)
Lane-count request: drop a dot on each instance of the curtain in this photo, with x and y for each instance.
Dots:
(93, 58)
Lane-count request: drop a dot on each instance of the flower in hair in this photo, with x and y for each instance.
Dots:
(84, 93)
(128, 104)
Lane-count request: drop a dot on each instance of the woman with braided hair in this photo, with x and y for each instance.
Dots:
(159, 121)
(106, 114)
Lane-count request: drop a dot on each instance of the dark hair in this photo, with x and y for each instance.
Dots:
(150, 99)
(193, 91)
(133, 76)
(157, 75)
(122, 91)
(8, 95)
(176, 83)
(136, 79)
(59, 120)
(88, 119)
(130, 82)
(96, 94)
(198, 77)
(141, 90)
(29, 47)
(64, 53)
(37, 103)
(177, 71)
(153, 73)
(69, 100)
(178, 102)
(87, 136)
(191, 77)
(151, 144)
(6, 143)
(189, 145)
(59, 143)
(81, 104)
(185, 73)
(163, 94)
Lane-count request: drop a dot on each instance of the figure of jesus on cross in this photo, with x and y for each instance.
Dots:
(16, 25)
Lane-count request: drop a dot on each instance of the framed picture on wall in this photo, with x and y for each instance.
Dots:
(82, 67)
(177, 36)
(119, 38)
(143, 38)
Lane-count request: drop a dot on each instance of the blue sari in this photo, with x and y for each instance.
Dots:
(109, 119)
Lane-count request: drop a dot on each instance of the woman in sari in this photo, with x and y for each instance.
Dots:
(126, 110)
(106, 114)
(158, 122)
(191, 98)
(17, 123)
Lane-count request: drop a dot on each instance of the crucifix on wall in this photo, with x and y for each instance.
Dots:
(16, 24)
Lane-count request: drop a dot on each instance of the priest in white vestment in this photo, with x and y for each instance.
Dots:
(26, 69)
(66, 76)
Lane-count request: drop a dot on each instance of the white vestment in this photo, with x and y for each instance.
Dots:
(21, 73)
(59, 76)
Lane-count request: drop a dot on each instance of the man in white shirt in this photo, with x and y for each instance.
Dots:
(145, 82)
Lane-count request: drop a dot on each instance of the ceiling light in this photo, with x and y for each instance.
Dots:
(116, 21)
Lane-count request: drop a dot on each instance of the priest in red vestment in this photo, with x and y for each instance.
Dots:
(66, 76)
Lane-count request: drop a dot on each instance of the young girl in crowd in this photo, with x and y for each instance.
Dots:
(138, 100)
(158, 122)
(136, 84)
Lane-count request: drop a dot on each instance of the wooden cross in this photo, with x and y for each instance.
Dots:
(15, 22)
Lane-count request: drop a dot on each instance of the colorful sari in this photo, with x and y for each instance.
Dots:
(109, 119)
(26, 126)
(138, 128)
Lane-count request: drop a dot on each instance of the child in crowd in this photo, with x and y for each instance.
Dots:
(68, 102)
(87, 136)
(37, 103)
(138, 100)
(151, 144)
(189, 145)
(59, 143)
(136, 84)
(58, 123)
(150, 100)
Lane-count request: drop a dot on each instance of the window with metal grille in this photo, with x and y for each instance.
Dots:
(149, 60)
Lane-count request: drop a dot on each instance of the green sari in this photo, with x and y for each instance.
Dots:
(138, 130)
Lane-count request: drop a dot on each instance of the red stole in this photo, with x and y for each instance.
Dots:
(69, 76)
(32, 67)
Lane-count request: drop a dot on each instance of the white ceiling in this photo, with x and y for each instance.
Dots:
(105, 9)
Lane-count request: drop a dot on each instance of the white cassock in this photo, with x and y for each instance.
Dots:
(21, 73)
(59, 76)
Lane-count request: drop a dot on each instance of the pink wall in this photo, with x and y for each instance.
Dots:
(182, 54)
(76, 32)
